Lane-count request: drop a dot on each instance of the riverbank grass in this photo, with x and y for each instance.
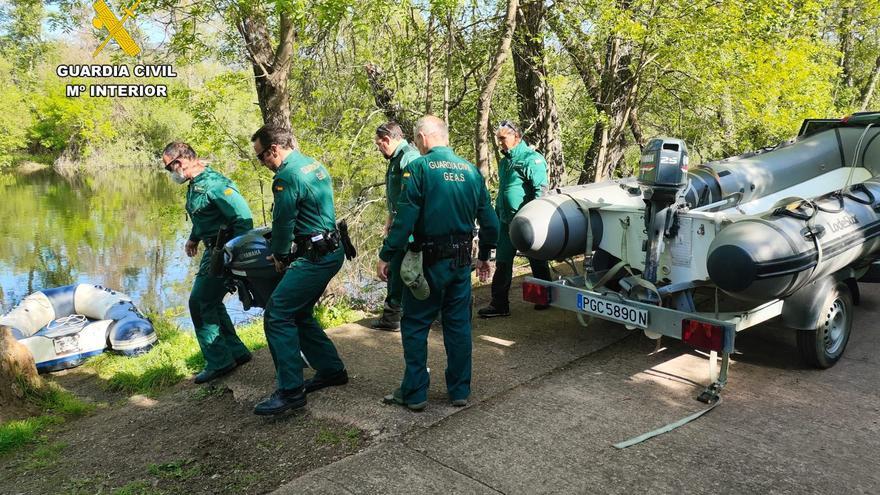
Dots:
(57, 405)
(174, 357)
(177, 356)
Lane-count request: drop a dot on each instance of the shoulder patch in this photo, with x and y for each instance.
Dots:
(279, 187)
(406, 174)
(227, 191)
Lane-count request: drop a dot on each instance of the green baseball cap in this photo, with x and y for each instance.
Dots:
(413, 275)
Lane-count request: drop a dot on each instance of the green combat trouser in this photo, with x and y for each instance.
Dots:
(290, 322)
(503, 277)
(450, 295)
(214, 330)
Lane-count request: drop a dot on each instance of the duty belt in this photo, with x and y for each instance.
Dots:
(316, 245)
(435, 248)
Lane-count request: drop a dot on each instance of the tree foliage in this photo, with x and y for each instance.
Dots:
(726, 75)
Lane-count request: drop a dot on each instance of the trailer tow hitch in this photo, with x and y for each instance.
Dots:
(712, 393)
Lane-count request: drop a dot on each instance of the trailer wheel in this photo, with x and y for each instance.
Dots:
(824, 346)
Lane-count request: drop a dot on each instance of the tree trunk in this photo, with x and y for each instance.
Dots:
(429, 66)
(18, 372)
(447, 73)
(846, 46)
(605, 152)
(725, 120)
(484, 104)
(614, 104)
(635, 126)
(384, 98)
(613, 85)
(871, 86)
(537, 106)
(271, 65)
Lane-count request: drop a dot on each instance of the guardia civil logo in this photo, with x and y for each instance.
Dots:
(105, 19)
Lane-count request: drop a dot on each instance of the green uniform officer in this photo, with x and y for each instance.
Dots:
(390, 142)
(213, 203)
(442, 196)
(303, 217)
(522, 177)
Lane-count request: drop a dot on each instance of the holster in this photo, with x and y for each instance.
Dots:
(217, 263)
(345, 239)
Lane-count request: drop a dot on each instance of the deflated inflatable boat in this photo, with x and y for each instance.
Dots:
(65, 325)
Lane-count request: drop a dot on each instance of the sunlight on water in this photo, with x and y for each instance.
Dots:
(124, 230)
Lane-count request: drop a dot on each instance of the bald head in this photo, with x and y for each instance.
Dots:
(430, 131)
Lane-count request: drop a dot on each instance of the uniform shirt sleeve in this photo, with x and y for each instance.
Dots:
(392, 197)
(408, 208)
(283, 216)
(234, 209)
(488, 221)
(407, 158)
(536, 175)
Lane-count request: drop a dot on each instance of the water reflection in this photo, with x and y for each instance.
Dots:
(124, 230)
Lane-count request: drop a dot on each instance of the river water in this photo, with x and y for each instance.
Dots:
(124, 230)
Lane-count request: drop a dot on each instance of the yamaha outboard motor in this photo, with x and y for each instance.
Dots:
(254, 276)
(662, 178)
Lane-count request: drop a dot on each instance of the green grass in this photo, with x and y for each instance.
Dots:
(181, 469)
(45, 456)
(15, 434)
(137, 488)
(57, 405)
(326, 436)
(175, 357)
(338, 313)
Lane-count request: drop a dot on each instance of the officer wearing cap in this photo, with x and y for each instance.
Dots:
(522, 177)
(303, 234)
(213, 204)
(399, 153)
(442, 196)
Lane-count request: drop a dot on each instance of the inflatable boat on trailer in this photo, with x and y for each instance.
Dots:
(699, 254)
(64, 326)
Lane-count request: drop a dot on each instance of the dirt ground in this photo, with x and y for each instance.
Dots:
(194, 440)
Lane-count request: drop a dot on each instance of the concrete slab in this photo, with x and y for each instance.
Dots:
(781, 428)
(507, 352)
(388, 468)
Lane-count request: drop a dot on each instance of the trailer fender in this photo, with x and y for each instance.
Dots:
(802, 309)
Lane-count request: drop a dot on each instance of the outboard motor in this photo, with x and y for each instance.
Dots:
(662, 177)
(254, 276)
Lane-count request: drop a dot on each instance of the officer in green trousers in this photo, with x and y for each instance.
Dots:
(522, 177)
(304, 234)
(213, 203)
(399, 153)
(442, 196)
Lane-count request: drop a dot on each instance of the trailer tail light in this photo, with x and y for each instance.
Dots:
(536, 293)
(702, 335)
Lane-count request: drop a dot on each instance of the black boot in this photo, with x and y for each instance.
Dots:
(330, 380)
(280, 401)
(492, 311)
(390, 319)
(207, 375)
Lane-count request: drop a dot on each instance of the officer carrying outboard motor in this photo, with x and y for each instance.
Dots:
(304, 236)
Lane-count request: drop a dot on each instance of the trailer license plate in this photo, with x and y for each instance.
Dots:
(613, 311)
(66, 344)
